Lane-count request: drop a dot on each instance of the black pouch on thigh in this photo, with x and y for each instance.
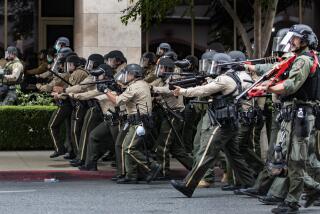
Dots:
(301, 124)
(317, 119)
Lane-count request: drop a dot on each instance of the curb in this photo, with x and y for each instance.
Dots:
(66, 175)
(40, 175)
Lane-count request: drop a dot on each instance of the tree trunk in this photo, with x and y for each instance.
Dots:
(242, 31)
(268, 25)
(257, 29)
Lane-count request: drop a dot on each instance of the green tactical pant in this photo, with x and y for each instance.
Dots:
(191, 117)
(298, 155)
(279, 187)
(265, 179)
(213, 140)
(119, 150)
(209, 176)
(91, 120)
(256, 133)
(167, 143)
(10, 99)
(133, 146)
(57, 120)
(101, 139)
(275, 127)
(77, 118)
(246, 147)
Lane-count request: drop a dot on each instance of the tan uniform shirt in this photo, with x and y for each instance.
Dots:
(174, 103)
(87, 95)
(137, 94)
(78, 76)
(222, 83)
(150, 74)
(55, 82)
(82, 88)
(105, 104)
(15, 68)
(42, 68)
(3, 62)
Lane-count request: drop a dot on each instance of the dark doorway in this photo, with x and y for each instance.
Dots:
(55, 31)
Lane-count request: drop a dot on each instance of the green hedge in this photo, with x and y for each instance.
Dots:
(25, 127)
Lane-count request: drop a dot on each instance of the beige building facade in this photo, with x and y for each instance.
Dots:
(98, 29)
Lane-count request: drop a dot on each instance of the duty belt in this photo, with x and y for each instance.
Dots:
(136, 119)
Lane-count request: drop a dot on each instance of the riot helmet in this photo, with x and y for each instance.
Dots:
(206, 61)
(61, 42)
(11, 53)
(301, 31)
(94, 60)
(147, 59)
(165, 65)
(163, 48)
(276, 44)
(237, 56)
(73, 62)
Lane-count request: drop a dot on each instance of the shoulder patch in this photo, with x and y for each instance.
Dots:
(299, 63)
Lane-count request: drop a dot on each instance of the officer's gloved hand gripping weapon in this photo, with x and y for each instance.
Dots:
(273, 75)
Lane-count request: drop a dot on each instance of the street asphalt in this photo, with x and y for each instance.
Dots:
(86, 197)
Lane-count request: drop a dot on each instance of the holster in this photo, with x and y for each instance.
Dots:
(144, 119)
(316, 110)
(3, 91)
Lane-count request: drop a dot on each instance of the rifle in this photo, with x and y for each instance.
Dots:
(98, 82)
(188, 82)
(274, 73)
(105, 84)
(253, 61)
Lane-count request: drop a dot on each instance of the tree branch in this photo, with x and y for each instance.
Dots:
(242, 31)
(257, 29)
(268, 25)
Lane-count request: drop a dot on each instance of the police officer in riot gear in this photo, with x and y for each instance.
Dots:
(169, 140)
(10, 76)
(76, 76)
(299, 94)
(162, 49)
(137, 99)
(219, 126)
(116, 60)
(102, 138)
(148, 63)
(61, 42)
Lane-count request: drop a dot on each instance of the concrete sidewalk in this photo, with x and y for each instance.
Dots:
(36, 166)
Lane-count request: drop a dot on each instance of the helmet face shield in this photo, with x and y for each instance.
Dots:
(70, 67)
(276, 46)
(161, 69)
(160, 51)
(89, 65)
(112, 62)
(121, 77)
(286, 42)
(207, 66)
(144, 62)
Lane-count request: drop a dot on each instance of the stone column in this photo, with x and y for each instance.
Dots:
(98, 29)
